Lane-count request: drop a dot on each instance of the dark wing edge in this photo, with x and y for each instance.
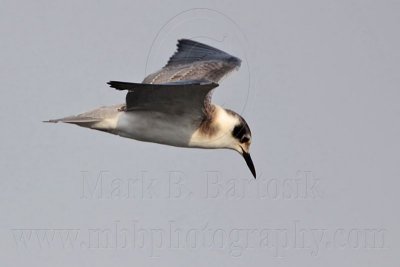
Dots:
(189, 51)
(132, 86)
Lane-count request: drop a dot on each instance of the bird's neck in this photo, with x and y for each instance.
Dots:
(214, 131)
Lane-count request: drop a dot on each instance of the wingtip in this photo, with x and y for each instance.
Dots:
(183, 40)
(117, 85)
(189, 51)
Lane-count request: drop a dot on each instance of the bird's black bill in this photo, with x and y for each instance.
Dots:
(249, 162)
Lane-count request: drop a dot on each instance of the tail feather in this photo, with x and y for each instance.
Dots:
(75, 120)
(104, 118)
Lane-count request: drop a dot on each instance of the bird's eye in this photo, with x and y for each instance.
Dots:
(244, 139)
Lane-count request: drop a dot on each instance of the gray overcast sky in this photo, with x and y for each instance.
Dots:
(319, 88)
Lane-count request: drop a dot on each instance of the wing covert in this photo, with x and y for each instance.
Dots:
(195, 61)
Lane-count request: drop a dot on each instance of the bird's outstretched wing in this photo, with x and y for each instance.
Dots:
(183, 85)
(190, 97)
(195, 61)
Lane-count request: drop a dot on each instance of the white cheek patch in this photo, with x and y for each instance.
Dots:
(223, 138)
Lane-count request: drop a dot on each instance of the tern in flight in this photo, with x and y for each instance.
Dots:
(173, 105)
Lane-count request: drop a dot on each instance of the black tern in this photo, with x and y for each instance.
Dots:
(173, 105)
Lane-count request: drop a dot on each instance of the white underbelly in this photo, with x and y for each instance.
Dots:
(155, 127)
